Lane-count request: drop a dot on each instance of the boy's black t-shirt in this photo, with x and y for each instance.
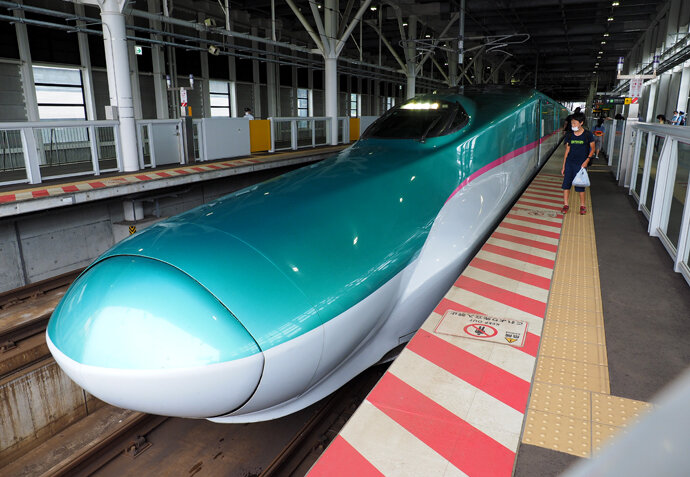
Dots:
(579, 146)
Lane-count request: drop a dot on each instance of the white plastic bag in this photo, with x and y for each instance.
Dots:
(581, 179)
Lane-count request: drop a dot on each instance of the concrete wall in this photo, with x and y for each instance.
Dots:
(62, 240)
(36, 406)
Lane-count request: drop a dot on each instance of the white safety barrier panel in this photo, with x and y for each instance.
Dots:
(33, 151)
(653, 163)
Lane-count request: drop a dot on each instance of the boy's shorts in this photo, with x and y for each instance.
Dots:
(597, 142)
(571, 170)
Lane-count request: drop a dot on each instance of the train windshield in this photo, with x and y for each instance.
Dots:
(419, 120)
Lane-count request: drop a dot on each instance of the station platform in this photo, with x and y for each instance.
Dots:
(20, 199)
(606, 329)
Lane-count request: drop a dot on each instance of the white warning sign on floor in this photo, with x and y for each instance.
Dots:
(484, 328)
(535, 212)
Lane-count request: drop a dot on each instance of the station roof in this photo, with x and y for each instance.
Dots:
(558, 41)
(558, 46)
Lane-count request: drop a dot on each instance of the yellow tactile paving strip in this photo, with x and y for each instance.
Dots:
(571, 409)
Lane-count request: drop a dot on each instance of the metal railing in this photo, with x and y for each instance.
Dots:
(33, 151)
(653, 162)
(297, 132)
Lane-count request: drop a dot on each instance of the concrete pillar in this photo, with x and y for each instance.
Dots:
(160, 90)
(86, 71)
(331, 67)
(411, 56)
(672, 23)
(203, 82)
(119, 84)
(590, 98)
(684, 90)
(134, 74)
(331, 86)
(453, 65)
(26, 71)
(651, 101)
(662, 96)
(256, 84)
(273, 86)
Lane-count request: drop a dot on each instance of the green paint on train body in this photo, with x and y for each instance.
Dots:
(289, 254)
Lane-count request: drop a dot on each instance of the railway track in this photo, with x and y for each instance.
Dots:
(26, 363)
(284, 447)
(109, 441)
(24, 312)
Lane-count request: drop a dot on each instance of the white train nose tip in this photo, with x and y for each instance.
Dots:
(140, 334)
(202, 391)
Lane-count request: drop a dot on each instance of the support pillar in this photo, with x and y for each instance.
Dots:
(331, 87)
(411, 56)
(85, 60)
(684, 90)
(119, 84)
(157, 58)
(331, 65)
(590, 98)
(26, 71)
(651, 100)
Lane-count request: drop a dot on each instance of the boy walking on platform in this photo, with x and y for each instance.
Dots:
(579, 150)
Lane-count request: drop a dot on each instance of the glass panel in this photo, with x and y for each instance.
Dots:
(59, 95)
(652, 174)
(680, 189)
(320, 131)
(640, 163)
(618, 141)
(215, 86)
(61, 112)
(303, 94)
(220, 112)
(302, 103)
(145, 145)
(195, 135)
(45, 74)
(107, 155)
(220, 100)
(302, 113)
(304, 133)
(11, 157)
(64, 151)
(283, 135)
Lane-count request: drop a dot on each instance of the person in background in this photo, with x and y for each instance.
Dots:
(579, 149)
(248, 113)
(661, 118)
(675, 119)
(681, 118)
(598, 132)
(566, 126)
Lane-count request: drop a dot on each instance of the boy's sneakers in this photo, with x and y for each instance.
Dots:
(583, 210)
(564, 209)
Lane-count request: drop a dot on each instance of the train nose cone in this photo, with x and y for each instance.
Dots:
(142, 335)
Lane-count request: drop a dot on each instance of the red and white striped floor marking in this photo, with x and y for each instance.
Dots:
(450, 405)
(127, 179)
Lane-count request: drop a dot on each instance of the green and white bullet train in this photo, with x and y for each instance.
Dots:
(262, 302)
